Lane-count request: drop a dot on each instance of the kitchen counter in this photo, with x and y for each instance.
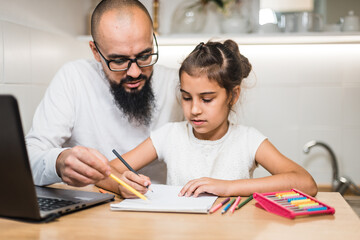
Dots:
(254, 39)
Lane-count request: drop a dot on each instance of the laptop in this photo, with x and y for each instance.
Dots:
(19, 197)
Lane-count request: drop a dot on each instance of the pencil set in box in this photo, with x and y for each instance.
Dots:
(291, 204)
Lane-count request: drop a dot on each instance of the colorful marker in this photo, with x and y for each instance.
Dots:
(245, 202)
(215, 208)
(232, 209)
(228, 206)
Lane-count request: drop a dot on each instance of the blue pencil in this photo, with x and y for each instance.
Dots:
(228, 206)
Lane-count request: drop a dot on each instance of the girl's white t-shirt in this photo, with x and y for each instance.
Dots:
(229, 158)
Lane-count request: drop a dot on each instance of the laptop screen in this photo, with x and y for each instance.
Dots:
(20, 197)
(18, 192)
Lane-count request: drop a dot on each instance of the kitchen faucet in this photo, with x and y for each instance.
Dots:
(339, 184)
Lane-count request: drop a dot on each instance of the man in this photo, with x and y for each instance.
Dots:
(111, 102)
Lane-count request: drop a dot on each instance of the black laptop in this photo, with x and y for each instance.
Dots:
(19, 197)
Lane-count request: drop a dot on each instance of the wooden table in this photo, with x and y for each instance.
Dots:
(250, 222)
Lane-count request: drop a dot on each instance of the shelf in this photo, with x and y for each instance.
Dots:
(257, 39)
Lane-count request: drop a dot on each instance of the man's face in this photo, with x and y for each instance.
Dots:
(127, 38)
(133, 79)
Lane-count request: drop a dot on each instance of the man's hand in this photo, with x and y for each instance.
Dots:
(81, 166)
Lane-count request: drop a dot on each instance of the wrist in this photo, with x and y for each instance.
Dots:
(59, 162)
(235, 187)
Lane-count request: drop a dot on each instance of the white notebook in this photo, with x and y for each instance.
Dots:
(164, 198)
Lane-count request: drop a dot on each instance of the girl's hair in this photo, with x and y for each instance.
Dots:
(218, 61)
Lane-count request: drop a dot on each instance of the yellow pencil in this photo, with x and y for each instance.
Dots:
(128, 187)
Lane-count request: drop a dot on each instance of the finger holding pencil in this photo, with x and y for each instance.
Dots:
(127, 187)
(129, 167)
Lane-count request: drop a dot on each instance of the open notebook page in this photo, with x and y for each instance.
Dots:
(164, 198)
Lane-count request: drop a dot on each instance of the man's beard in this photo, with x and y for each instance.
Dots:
(137, 105)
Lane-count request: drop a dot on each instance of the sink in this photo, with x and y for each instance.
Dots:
(354, 202)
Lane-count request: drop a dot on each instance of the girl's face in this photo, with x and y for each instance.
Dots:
(205, 105)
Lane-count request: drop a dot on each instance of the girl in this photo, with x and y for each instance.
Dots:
(207, 153)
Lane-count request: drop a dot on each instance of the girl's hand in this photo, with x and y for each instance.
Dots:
(205, 184)
(138, 182)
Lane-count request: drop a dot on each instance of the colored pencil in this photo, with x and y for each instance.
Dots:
(232, 209)
(228, 206)
(128, 187)
(102, 190)
(244, 202)
(215, 208)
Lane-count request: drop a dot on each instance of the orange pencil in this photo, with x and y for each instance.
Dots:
(102, 190)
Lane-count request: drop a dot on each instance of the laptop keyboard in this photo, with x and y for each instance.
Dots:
(47, 204)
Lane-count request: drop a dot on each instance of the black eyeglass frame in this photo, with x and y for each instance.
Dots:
(131, 60)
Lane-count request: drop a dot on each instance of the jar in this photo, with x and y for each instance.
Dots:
(189, 17)
(350, 22)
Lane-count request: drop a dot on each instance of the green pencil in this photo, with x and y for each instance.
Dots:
(244, 202)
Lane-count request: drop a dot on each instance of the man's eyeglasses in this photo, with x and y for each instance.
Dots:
(124, 63)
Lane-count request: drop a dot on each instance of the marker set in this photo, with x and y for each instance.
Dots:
(292, 203)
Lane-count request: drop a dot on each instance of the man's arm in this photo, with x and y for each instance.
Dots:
(52, 127)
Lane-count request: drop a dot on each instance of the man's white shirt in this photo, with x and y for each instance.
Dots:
(79, 109)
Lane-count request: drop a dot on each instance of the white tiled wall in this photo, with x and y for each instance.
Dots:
(29, 59)
(28, 96)
(17, 64)
(64, 16)
(36, 38)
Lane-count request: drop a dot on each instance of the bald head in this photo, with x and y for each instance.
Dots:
(124, 10)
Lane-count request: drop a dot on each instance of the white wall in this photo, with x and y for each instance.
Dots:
(36, 38)
(64, 16)
(302, 92)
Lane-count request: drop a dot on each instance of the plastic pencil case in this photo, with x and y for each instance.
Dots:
(292, 203)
